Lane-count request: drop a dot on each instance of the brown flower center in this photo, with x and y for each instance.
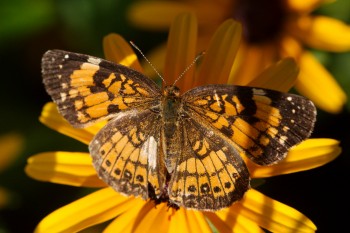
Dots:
(262, 20)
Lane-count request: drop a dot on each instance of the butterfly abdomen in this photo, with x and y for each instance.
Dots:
(171, 134)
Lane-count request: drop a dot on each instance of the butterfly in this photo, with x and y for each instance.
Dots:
(186, 149)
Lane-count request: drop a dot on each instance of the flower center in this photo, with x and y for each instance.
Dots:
(261, 20)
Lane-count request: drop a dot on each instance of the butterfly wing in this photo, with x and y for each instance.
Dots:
(264, 124)
(210, 174)
(88, 89)
(126, 154)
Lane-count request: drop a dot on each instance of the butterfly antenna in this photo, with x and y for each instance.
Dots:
(189, 66)
(143, 55)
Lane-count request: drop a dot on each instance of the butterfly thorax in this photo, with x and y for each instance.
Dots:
(171, 138)
(170, 107)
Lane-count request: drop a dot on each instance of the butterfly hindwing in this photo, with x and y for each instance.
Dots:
(264, 124)
(88, 89)
(210, 174)
(126, 154)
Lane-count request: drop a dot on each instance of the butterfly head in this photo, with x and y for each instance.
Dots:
(171, 91)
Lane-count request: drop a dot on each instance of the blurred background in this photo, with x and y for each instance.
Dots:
(29, 28)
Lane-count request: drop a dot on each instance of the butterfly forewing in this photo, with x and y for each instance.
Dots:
(88, 89)
(264, 124)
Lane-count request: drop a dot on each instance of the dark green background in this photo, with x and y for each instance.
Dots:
(29, 28)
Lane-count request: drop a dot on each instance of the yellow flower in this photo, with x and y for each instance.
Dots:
(11, 145)
(272, 29)
(129, 214)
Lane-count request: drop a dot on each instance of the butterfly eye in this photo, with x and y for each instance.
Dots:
(171, 91)
(176, 91)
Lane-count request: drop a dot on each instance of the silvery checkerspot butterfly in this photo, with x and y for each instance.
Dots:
(184, 149)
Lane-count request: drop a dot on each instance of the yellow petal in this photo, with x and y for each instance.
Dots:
(316, 83)
(290, 47)
(191, 221)
(272, 215)
(181, 49)
(211, 14)
(11, 145)
(179, 223)
(309, 154)
(304, 6)
(92, 209)
(250, 62)
(127, 221)
(218, 223)
(116, 49)
(155, 15)
(70, 168)
(155, 219)
(51, 118)
(229, 221)
(218, 59)
(247, 56)
(201, 222)
(280, 76)
(323, 33)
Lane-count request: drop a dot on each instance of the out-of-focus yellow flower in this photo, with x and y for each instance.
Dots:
(11, 145)
(272, 29)
(128, 214)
